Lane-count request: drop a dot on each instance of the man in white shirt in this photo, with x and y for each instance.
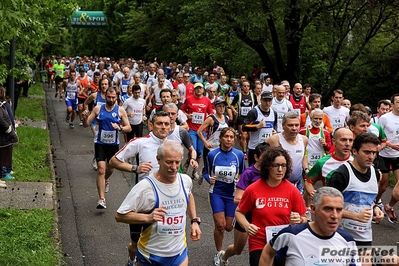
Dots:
(281, 105)
(337, 113)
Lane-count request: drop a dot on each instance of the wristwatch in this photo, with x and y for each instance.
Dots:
(134, 168)
(196, 220)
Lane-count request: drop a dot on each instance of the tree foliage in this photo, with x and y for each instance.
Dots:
(347, 44)
(33, 24)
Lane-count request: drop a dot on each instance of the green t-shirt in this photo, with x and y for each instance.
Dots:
(58, 70)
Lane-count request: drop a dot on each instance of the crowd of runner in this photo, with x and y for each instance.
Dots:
(287, 142)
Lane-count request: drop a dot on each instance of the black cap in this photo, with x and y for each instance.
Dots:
(266, 95)
(369, 109)
(219, 101)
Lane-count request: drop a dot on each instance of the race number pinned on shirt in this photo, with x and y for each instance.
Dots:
(71, 94)
(198, 118)
(336, 122)
(266, 132)
(245, 111)
(225, 174)
(271, 231)
(108, 137)
(172, 223)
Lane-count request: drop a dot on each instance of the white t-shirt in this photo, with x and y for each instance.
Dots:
(146, 148)
(268, 88)
(338, 117)
(390, 124)
(141, 199)
(136, 106)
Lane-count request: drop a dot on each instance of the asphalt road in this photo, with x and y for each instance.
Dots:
(93, 237)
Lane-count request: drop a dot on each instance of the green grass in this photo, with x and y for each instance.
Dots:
(30, 155)
(26, 238)
(30, 108)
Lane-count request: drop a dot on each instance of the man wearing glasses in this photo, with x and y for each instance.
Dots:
(186, 89)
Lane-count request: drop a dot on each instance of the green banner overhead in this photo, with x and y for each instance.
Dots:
(88, 19)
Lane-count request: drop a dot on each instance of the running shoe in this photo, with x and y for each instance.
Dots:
(71, 126)
(217, 257)
(200, 180)
(101, 204)
(380, 204)
(106, 186)
(81, 123)
(195, 175)
(8, 177)
(94, 163)
(222, 262)
(131, 263)
(391, 214)
(3, 184)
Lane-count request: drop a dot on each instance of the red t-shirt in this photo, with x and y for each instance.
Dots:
(49, 69)
(199, 108)
(270, 206)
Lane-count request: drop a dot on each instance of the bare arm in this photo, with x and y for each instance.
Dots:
(88, 117)
(89, 100)
(267, 256)
(192, 213)
(208, 122)
(238, 195)
(125, 121)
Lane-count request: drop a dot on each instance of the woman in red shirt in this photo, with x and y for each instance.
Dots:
(273, 201)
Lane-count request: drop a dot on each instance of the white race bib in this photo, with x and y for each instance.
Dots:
(198, 118)
(225, 173)
(245, 110)
(108, 137)
(172, 223)
(71, 94)
(271, 231)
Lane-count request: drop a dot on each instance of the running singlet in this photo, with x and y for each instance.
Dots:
(106, 133)
(124, 84)
(314, 150)
(281, 108)
(167, 237)
(296, 152)
(72, 91)
(231, 95)
(213, 132)
(245, 103)
(99, 100)
(359, 195)
(261, 135)
(299, 104)
(83, 82)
